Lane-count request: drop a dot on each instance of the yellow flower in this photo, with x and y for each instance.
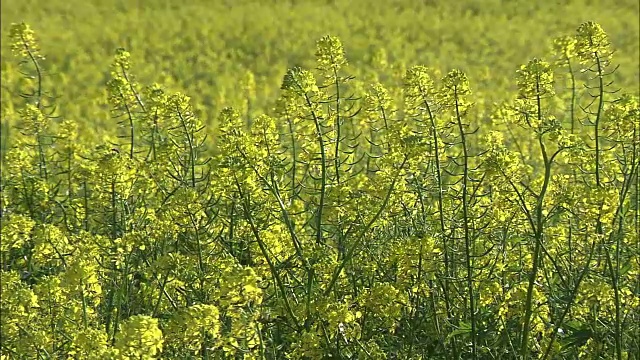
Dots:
(139, 338)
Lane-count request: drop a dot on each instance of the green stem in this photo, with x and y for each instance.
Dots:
(323, 170)
(467, 233)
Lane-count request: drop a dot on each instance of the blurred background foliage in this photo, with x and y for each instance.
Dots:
(206, 48)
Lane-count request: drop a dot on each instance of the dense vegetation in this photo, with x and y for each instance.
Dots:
(378, 209)
(210, 49)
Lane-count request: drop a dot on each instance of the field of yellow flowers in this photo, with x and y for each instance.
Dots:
(230, 180)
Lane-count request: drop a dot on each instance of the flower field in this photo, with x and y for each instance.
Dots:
(232, 181)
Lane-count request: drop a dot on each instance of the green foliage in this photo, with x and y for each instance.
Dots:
(358, 218)
(205, 48)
